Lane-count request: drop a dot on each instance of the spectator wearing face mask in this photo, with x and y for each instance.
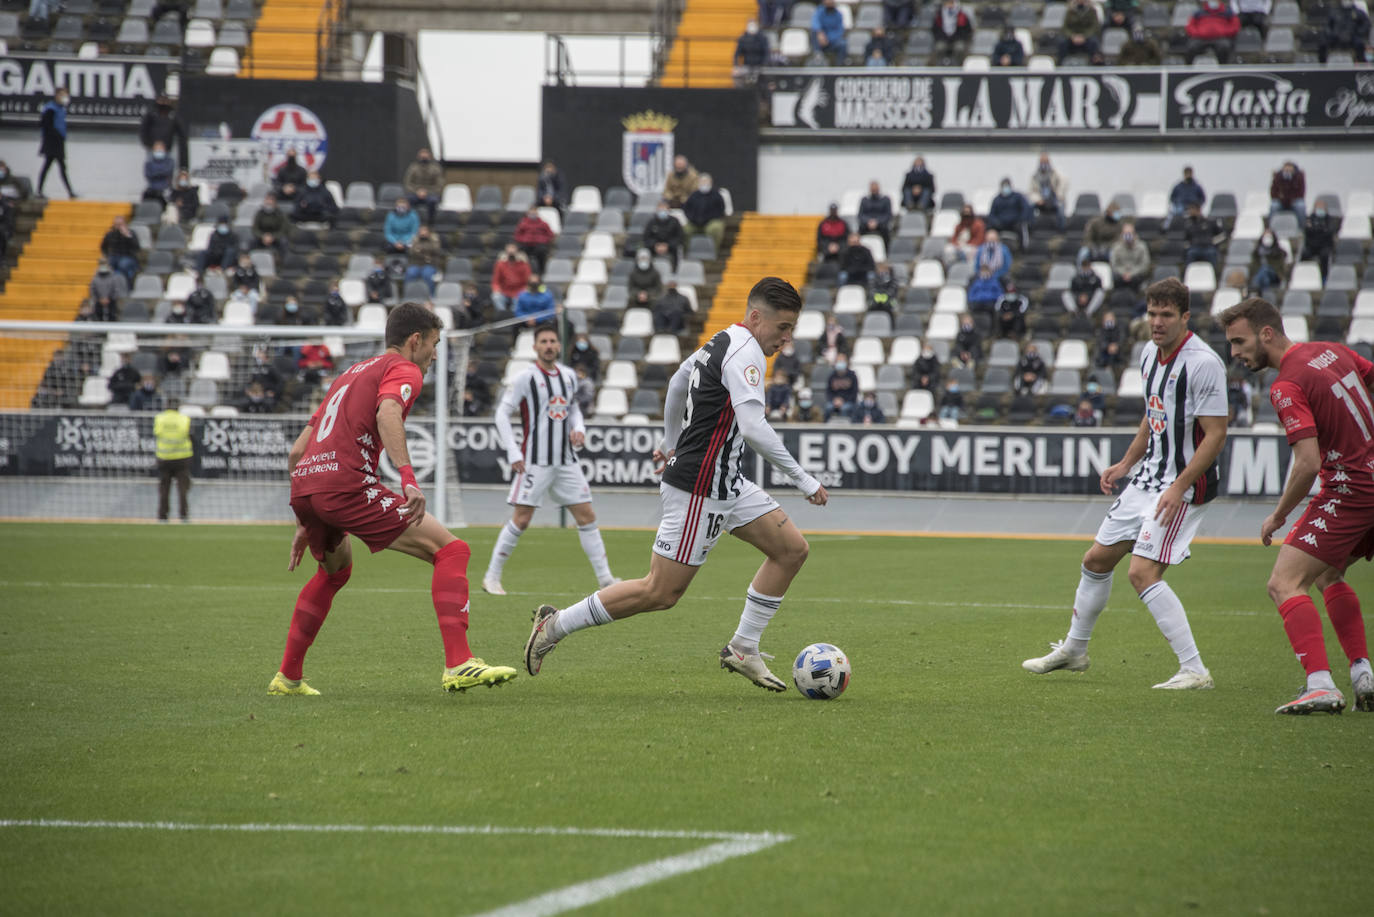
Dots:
(866, 411)
(1202, 234)
(833, 343)
(1008, 52)
(1085, 416)
(1287, 191)
(841, 389)
(805, 410)
(1011, 307)
(778, 396)
(315, 204)
(222, 251)
(1319, 238)
(255, 399)
(186, 197)
(52, 146)
(1030, 372)
(751, 53)
(336, 311)
(1346, 29)
(510, 275)
(953, 29)
(246, 279)
(584, 356)
(536, 303)
(1213, 27)
(158, 172)
(880, 51)
(1049, 189)
(993, 255)
(201, 308)
(1271, 263)
(1111, 337)
(952, 402)
(120, 248)
(426, 258)
(827, 33)
(108, 290)
(1079, 37)
(1101, 234)
(162, 124)
(270, 226)
(1085, 293)
(875, 213)
(671, 311)
(424, 183)
(1187, 191)
(291, 178)
(680, 183)
(548, 188)
(885, 290)
(856, 263)
(401, 227)
(983, 291)
(925, 372)
(968, 343)
(788, 362)
(1010, 212)
(705, 211)
(644, 284)
(969, 233)
(831, 235)
(663, 234)
(534, 237)
(146, 397)
(1130, 260)
(1140, 50)
(918, 186)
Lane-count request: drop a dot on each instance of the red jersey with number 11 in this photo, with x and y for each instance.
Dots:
(1323, 391)
(342, 455)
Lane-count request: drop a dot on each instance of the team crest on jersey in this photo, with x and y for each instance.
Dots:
(752, 375)
(405, 391)
(558, 407)
(1154, 410)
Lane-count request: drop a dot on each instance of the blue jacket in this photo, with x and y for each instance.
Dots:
(1002, 267)
(1010, 208)
(830, 22)
(534, 305)
(401, 228)
(1187, 192)
(159, 173)
(984, 289)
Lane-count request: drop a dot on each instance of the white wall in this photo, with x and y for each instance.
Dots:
(102, 166)
(804, 179)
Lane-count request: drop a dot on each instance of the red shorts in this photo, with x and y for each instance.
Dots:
(1336, 527)
(327, 517)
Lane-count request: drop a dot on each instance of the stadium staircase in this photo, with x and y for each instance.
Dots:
(702, 56)
(285, 42)
(48, 284)
(766, 245)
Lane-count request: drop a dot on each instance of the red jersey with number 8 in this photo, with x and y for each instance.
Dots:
(1323, 391)
(342, 455)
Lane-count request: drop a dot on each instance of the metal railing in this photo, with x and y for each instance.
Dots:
(560, 70)
(667, 15)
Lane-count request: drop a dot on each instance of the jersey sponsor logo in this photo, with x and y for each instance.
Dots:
(1154, 410)
(1319, 524)
(558, 407)
(1291, 423)
(1281, 403)
(283, 128)
(1309, 538)
(752, 375)
(405, 391)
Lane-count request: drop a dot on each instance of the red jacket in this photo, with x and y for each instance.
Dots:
(1288, 190)
(509, 278)
(1213, 21)
(532, 231)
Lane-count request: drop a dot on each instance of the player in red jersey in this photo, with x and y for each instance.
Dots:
(1323, 397)
(336, 491)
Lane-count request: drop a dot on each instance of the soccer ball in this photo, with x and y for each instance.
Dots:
(821, 671)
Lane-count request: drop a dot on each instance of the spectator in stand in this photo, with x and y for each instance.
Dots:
(108, 290)
(377, 284)
(1271, 264)
(1186, 192)
(401, 226)
(1255, 13)
(856, 263)
(1011, 310)
(161, 124)
(841, 389)
(831, 235)
(663, 234)
(1101, 233)
(1030, 372)
(671, 311)
(866, 411)
(1140, 50)
(585, 393)
(336, 311)
(426, 258)
(222, 251)
(885, 290)
(1092, 393)
(968, 343)
(1085, 416)
(255, 399)
(290, 179)
(774, 13)
(314, 203)
(1121, 14)
(1085, 293)
(875, 213)
(1212, 28)
(477, 395)
(897, 14)
(788, 362)
(158, 171)
(123, 380)
(1130, 260)
(778, 396)
(1238, 395)
(509, 277)
(827, 33)
(806, 411)
(918, 186)
(644, 284)
(751, 53)
(549, 190)
(952, 402)
(993, 255)
(474, 309)
(969, 233)
(1287, 191)
(1319, 238)
(186, 197)
(1346, 29)
(1008, 52)
(1202, 235)
(881, 47)
(315, 362)
(1111, 339)
(1049, 189)
(162, 7)
(245, 277)
(925, 372)
(424, 182)
(52, 129)
(11, 187)
(681, 183)
(146, 397)
(270, 226)
(120, 248)
(953, 29)
(536, 303)
(984, 290)
(201, 308)
(705, 211)
(534, 237)
(1079, 38)
(833, 343)
(585, 357)
(1010, 212)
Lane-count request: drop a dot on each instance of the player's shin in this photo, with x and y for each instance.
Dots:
(758, 611)
(449, 588)
(587, 613)
(1343, 608)
(595, 549)
(1304, 628)
(1088, 601)
(502, 550)
(312, 607)
(1173, 624)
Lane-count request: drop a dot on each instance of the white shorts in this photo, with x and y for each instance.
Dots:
(692, 525)
(565, 483)
(1132, 518)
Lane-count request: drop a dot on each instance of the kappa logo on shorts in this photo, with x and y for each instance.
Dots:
(1319, 524)
(371, 494)
(1333, 456)
(1310, 539)
(387, 501)
(1329, 507)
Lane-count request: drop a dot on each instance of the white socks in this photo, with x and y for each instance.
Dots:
(1321, 679)
(1088, 602)
(595, 549)
(758, 611)
(1173, 624)
(587, 613)
(500, 553)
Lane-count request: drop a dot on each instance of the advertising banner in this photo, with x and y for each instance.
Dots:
(105, 92)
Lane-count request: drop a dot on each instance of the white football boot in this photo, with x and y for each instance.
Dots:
(1058, 658)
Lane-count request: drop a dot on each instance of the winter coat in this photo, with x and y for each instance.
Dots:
(702, 207)
(509, 278)
(426, 175)
(53, 130)
(1132, 259)
(533, 231)
(400, 228)
(666, 230)
(677, 188)
(1288, 190)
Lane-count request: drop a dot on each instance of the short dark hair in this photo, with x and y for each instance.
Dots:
(776, 294)
(1260, 313)
(545, 326)
(1169, 292)
(409, 318)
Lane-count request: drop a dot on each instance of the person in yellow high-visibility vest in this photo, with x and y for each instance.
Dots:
(172, 429)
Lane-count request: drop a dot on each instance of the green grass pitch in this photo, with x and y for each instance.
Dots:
(134, 662)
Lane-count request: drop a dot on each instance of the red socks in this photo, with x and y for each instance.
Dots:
(311, 608)
(1304, 628)
(449, 588)
(1343, 608)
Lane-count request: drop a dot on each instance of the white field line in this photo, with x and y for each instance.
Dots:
(383, 590)
(726, 846)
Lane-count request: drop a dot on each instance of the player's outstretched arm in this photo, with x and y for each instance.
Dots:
(766, 442)
(674, 407)
(1307, 462)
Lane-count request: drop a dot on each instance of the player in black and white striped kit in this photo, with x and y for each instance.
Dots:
(545, 459)
(714, 406)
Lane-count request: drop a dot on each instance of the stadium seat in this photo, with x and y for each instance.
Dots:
(202, 393)
(1200, 277)
(943, 326)
(1131, 386)
(944, 223)
(1066, 382)
(1361, 331)
(1306, 276)
(867, 351)
(1248, 226)
(95, 393)
(876, 324)
(521, 198)
(1004, 353)
(372, 316)
(600, 245)
(929, 275)
(620, 374)
(611, 403)
(1355, 226)
(213, 365)
(917, 404)
(693, 272)
(1072, 354)
(851, 299)
(223, 62)
(810, 326)
(638, 323)
(585, 199)
(876, 246)
(1223, 299)
(489, 199)
(951, 299)
(456, 198)
(1364, 305)
(903, 351)
(591, 270)
(200, 33)
(1295, 327)
(664, 349)
(237, 314)
(581, 296)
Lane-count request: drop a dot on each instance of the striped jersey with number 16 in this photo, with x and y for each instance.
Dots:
(727, 370)
(548, 413)
(1179, 388)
